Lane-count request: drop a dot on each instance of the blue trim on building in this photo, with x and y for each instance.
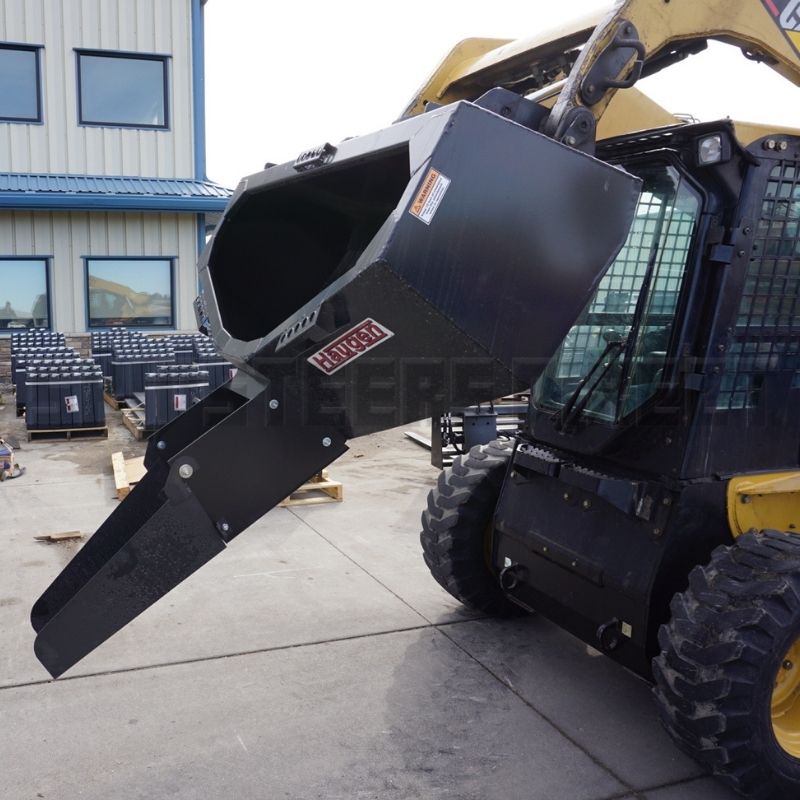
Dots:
(24, 190)
(198, 88)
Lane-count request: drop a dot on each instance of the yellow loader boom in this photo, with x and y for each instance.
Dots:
(587, 62)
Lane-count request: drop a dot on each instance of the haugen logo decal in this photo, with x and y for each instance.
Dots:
(350, 345)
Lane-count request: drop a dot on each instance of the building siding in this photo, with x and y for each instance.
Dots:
(68, 237)
(60, 145)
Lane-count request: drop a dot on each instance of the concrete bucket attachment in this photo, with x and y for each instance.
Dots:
(437, 262)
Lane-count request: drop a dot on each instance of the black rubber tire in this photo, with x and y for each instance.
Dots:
(454, 527)
(720, 654)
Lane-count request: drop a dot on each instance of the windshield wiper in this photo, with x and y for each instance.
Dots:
(572, 408)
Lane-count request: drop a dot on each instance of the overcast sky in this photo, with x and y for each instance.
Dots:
(283, 77)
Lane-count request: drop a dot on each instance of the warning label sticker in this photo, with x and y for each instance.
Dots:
(179, 402)
(71, 402)
(430, 196)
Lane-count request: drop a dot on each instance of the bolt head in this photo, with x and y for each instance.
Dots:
(186, 471)
(273, 404)
(224, 527)
(326, 442)
(161, 444)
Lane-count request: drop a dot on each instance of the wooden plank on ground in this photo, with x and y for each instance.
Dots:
(120, 476)
(135, 469)
(127, 472)
(58, 537)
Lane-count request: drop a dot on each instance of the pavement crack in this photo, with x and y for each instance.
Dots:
(629, 789)
(238, 654)
(362, 567)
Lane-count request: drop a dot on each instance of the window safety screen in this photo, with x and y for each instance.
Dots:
(618, 347)
(767, 332)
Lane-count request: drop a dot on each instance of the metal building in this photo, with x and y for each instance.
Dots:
(103, 188)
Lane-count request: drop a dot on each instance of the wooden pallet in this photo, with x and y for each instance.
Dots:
(320, 489)
(135, 425)
(127, 473)
(111, 400)
(68, 433)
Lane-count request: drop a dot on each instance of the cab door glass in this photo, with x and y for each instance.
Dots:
(634, 305)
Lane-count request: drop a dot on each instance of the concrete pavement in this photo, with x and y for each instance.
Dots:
(315, 658)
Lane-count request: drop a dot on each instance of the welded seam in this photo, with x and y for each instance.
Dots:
(237, 654)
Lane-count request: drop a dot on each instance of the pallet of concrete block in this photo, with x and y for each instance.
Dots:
(207, 357)
(36, 337)
(65, 401)
(130, 363)
(25, 358)
(171, 390)
(103, 343)
(184, 345)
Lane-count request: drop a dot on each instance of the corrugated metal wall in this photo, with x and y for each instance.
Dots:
(61, 145)
(68, 237)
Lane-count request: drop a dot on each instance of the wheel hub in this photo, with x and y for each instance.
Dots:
(786, 702)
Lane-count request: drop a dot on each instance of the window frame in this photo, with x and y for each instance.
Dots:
(124, 54)
(36, 50)
(172, 273)
(47, 260)
(692, 264)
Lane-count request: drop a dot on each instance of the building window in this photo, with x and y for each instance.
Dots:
(24, 296)
(130, 291)
(20, 99)
(122, 90)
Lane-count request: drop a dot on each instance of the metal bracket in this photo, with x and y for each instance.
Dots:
(578, 130)
(603, 74)
(316, 157)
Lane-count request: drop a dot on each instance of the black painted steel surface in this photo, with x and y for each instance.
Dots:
(438, 262)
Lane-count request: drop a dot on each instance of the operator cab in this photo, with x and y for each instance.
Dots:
(623, 364)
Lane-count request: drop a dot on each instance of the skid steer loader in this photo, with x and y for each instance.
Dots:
(645, 284)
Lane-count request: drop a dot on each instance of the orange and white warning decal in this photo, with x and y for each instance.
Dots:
(430, 196)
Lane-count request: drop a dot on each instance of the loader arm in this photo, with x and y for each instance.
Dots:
(601, 50)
